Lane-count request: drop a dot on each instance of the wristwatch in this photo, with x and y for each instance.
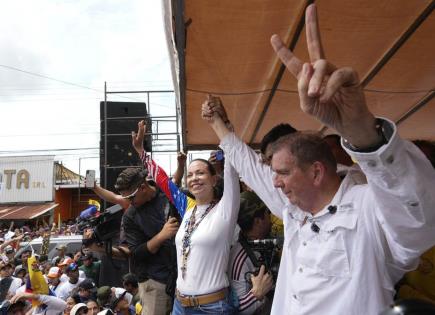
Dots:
(385, 131)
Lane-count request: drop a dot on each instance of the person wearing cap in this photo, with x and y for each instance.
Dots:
(254, 222)
(8, 284)
(121, 305)
(49, 305)
(61, 250)
(79, 309)
(90, 267)
(9, 253)
(65, 289)
(106, 312)
(104, 296)
(86, 288)
(53, 278)
(20, 273)
(63, 266)
(149, 238)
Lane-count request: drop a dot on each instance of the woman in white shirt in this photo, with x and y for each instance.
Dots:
(205, 234)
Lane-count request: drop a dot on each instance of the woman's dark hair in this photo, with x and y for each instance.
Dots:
(210, 166)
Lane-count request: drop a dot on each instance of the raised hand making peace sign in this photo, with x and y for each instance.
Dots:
(333, 95)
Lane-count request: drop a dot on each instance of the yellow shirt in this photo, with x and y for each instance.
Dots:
(277, 229)
(138, 308)
(420, 283)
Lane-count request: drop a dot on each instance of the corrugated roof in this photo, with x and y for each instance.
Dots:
(25, 211)
(64, 176)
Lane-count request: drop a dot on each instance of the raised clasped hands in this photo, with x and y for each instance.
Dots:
(332, 95)
(212, 109)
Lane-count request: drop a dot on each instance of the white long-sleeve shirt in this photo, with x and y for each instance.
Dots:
(54, 305)
(377, 233)
(210, 243)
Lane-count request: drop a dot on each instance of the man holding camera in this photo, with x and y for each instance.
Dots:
(148, 235)
(251, 289)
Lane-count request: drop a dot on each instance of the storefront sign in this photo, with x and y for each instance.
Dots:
(26, 179)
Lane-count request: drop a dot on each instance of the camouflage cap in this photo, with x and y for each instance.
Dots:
(250, 203)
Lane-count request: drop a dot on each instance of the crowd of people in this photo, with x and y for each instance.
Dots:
(32, 230)
(347, 216)
(66, 284)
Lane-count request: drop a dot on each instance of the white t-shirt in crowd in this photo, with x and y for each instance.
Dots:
(65, 278)
(64, 289)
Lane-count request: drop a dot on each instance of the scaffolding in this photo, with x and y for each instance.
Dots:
(164, 139)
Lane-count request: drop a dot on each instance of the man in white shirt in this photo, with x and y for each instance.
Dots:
(65, 289)
(346, 243)
(49, 305)
(8, 284)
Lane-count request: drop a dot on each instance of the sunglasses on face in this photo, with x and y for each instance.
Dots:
(132, 195)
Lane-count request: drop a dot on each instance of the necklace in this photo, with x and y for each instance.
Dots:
(188, 231)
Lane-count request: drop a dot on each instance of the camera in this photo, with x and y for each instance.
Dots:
(268, 250)
(105, 226)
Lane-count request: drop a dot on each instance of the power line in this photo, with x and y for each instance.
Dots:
(50, 134)
(58, 80)
(50, 78)
(49, 150)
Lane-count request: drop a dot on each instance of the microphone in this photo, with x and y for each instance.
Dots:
(332, 209)
(88, 212)
(315, 228)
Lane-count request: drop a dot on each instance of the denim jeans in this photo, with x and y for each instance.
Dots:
(220, 307)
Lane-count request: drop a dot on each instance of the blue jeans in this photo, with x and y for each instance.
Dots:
(220, 307)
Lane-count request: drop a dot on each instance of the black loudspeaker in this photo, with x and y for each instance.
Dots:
(121, 119)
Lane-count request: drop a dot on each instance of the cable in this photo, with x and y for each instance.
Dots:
(295, 91)
(51, 134)
(51, 150)
(50, 78)
(60, 81)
